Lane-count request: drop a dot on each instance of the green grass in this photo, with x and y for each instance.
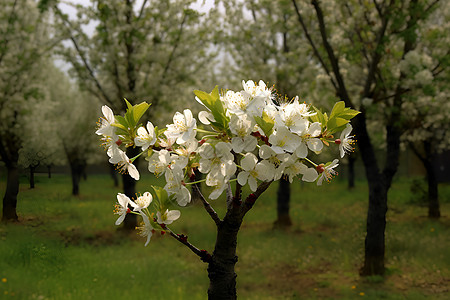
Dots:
(68, 247)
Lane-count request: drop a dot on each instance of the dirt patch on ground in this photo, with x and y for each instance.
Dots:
(289, 282)
(75, 236)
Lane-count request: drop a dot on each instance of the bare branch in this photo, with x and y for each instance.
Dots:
(208, 207)
(84, 60)
(378, 7)
(342, 90)
(376, 56)
(313, 45)
(203, 254)
(141, 11)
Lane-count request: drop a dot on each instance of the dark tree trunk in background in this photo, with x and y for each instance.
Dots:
(76, 170)
(376, 225)
(283, 205)
(113, 173)
(379, 184)
(434, 211)
(83, 172)
(129, 189)
(49, 171)
(351, 170)
(9, 153)
(433, 200)
(12, 190)
(32, 169)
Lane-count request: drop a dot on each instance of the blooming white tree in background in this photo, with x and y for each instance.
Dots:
(251, 140)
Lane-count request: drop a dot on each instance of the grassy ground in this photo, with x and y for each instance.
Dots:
(68, 247)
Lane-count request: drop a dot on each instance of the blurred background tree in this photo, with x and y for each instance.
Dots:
(360, 47)
(25, 44)
(156, 51)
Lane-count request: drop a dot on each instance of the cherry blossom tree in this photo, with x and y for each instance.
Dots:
(151, 49)
(250, 142)
(359, 46)
(24, 49)
(42, 146)
(427, 75)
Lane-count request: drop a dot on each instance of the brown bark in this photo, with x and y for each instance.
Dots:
(221, 268)
(283, 205)
(12, 190)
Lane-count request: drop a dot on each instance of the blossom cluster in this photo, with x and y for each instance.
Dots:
(249, 136)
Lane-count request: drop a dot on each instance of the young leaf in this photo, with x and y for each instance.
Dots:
(265, 123)
(348, 113)
(337, 109)
(139, 110)
(129, 106)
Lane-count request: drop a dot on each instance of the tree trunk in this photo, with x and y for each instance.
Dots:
(12, 190)
(32, 169)
(351, 170)
(75, 170)
(376, 213)
(434, 211)
(376, 225)
(114, 176)
(221, 268)
(283, 205)
(49, 171)
(129, 189)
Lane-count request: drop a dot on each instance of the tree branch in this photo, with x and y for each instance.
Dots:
(342, 90)
(208, 207)
(376, 56)
(250, 200)
(141, 11)
(84, 60)
(203, 254)
(313, 45)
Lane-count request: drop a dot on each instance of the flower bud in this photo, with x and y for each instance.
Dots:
(320, 168)
(337, 141)
(205, 256)
(183, 238)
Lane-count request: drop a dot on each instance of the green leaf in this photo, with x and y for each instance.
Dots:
(266, 123)
(129, 117)
(210, 99)
(161, 198)
(139, 110)
(319, 117)
(335, 124)
(348, 113)
(214, 104)
(129, 106)
(121, 123)
(337, 109)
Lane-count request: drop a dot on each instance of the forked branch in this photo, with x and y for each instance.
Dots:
(208, 207)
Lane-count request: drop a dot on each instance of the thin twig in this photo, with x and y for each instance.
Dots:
(341, 89)
(313, 45)
(208, 207)
(203, 254)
